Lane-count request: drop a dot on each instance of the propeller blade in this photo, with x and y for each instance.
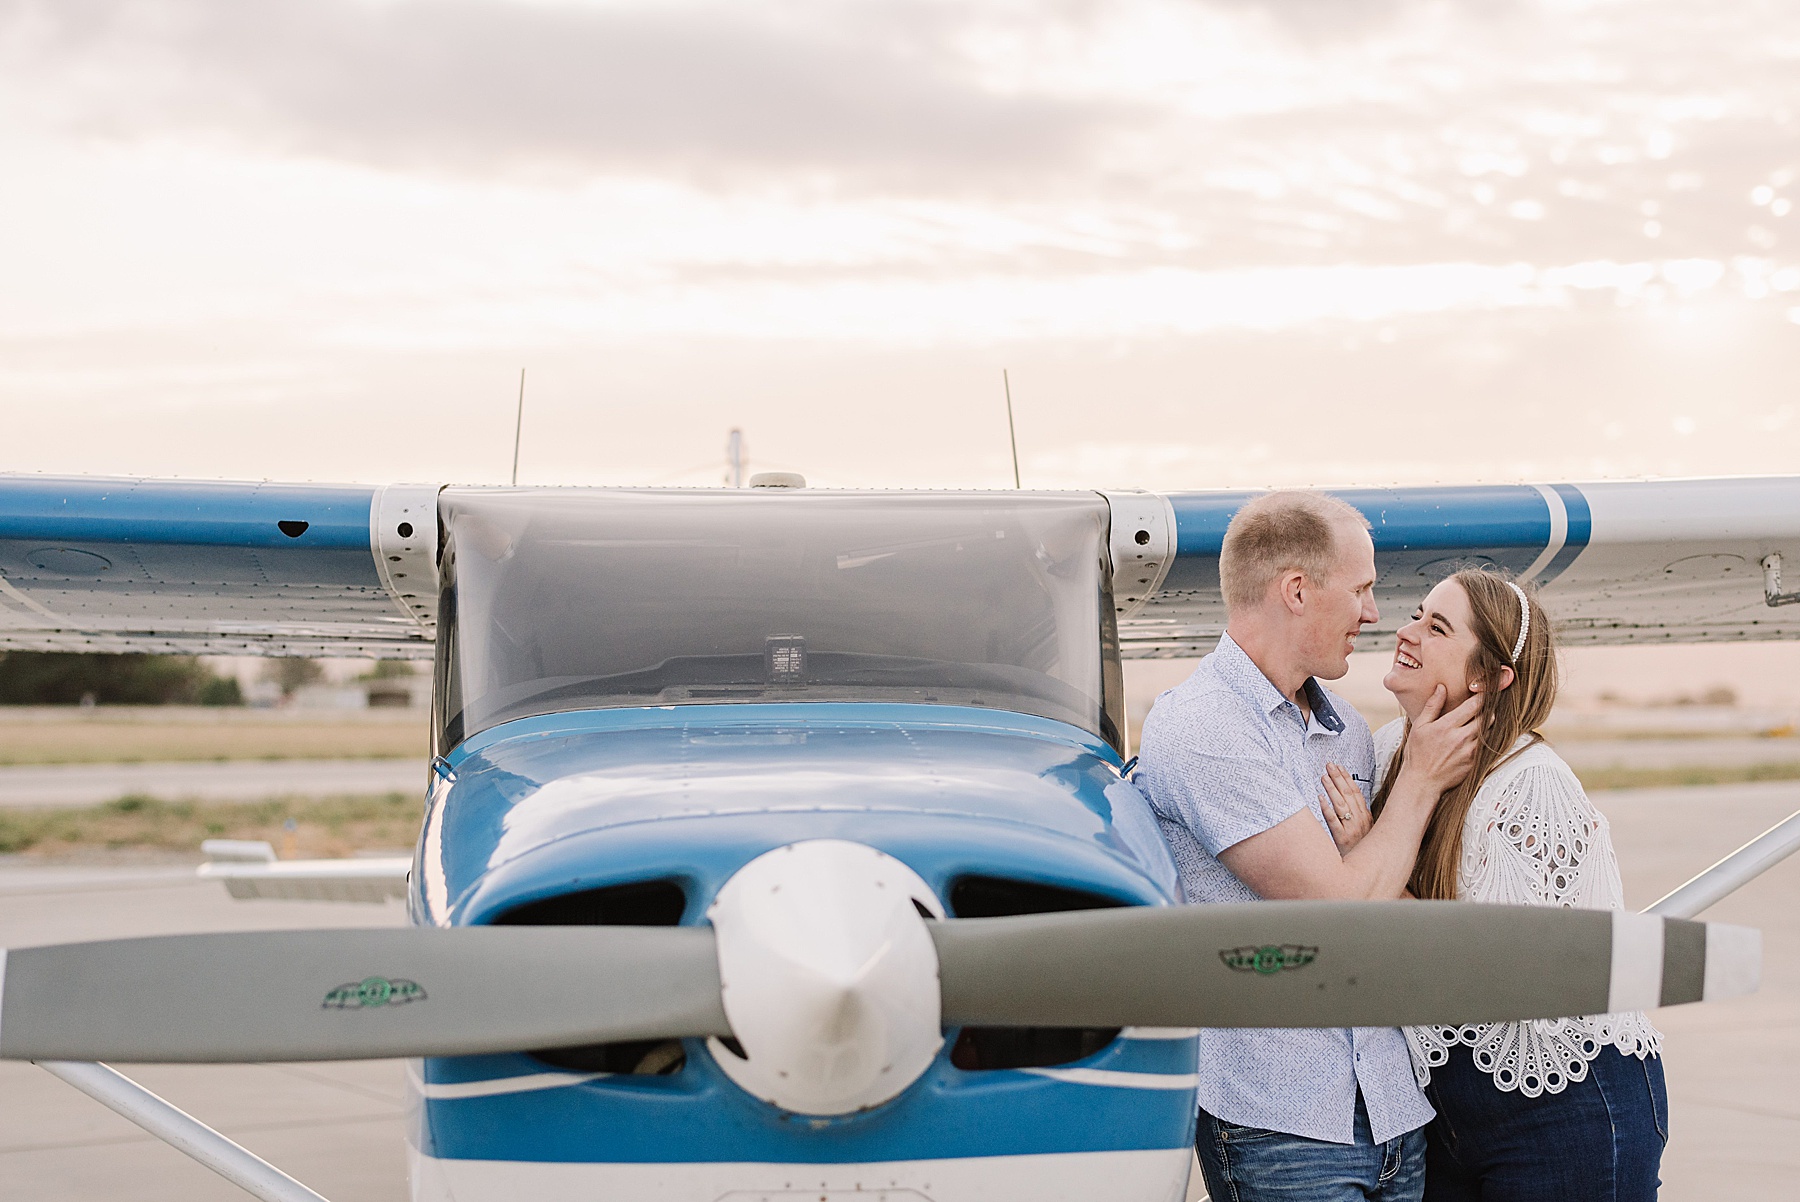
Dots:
(357, 994)
(1330, 964)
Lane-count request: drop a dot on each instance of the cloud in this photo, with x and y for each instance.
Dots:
(1196, 134)
(1323, 22)
(804, 89)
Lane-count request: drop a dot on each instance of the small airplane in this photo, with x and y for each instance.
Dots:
(779, 842)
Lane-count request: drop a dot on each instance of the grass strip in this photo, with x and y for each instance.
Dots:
(1594, 779)
(324, 826)
(341, 826)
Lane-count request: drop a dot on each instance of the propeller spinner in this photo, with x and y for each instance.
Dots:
(830, 976)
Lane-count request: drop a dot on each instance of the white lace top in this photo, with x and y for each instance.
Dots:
(1531, 838)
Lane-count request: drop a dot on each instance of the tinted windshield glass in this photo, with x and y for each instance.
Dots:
(575, 599)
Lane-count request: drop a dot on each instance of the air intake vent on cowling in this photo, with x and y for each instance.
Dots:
(998, 897)
(639, 904)
(985, 1048)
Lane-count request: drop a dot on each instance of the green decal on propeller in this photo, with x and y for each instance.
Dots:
(371, 992)
(1267, 960)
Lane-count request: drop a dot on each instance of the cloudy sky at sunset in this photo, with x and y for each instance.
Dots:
(1215, 242)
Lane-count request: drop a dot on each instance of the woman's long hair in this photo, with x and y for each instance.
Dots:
(1519, 709)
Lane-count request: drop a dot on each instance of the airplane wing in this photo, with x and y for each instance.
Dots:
(1670, 561)
(91, 564)
(197, 567)
(249, 871)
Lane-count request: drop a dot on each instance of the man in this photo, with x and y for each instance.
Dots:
(1231, 761)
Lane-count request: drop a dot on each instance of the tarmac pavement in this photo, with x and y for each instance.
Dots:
(74, 785)
(1676, 753)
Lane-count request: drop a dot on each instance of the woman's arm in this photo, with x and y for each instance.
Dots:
(1543, 843)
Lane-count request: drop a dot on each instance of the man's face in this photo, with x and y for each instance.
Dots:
(1339, 607)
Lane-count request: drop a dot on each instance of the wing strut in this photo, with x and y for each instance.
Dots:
(1734, 871)
(181, 1131)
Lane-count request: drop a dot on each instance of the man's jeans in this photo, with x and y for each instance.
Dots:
(1247, 1164)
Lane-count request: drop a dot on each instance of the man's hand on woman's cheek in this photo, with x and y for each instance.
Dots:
(1441, 747)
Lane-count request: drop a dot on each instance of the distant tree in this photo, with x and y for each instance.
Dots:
(222, 690)
(292, 672)
(390, 669)
(68, 678)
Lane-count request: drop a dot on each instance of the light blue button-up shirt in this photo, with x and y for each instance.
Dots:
(1224, 756)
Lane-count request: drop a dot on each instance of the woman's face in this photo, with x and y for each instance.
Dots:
(1434, 649)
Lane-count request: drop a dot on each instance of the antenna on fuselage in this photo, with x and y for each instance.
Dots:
(735, 459)
(1011, 433)
(518, 426)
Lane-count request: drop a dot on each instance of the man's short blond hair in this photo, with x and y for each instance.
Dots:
(1281, 532)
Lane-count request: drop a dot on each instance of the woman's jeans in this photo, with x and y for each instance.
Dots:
(1599, 1140)
(1248, 1164)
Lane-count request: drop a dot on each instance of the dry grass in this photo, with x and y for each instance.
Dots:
(1663, 778)
(330, 826)
(1602, 734)
(89, 741)
(342, 826)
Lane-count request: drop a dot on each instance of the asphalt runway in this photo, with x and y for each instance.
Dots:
(73, 785)
(1733, 1067)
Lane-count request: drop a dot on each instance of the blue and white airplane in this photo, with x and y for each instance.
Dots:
(776, 843)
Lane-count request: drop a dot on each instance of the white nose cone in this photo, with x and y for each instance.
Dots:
(831, 979)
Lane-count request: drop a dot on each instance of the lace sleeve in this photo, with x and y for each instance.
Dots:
(1540, 842)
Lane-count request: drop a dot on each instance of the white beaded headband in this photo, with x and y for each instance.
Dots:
(1524, 619)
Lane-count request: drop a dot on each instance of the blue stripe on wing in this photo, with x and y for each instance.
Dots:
(46, 509)
(1417, 531)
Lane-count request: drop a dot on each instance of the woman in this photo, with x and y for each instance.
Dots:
(1548, 1109)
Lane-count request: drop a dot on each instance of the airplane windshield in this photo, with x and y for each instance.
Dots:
(566, 599)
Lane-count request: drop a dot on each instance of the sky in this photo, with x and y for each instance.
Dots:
(1214, 243)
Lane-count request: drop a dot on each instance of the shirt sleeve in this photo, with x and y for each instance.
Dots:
(1543, 843)
(1224, 800)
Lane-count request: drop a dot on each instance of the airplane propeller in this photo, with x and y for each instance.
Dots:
(354, 994)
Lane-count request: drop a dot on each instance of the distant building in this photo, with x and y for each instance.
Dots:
(398, 692)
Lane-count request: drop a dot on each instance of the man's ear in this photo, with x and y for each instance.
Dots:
(1293, 592)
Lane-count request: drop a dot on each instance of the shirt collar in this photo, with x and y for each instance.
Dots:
(1241, 672)
(1319, 702)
